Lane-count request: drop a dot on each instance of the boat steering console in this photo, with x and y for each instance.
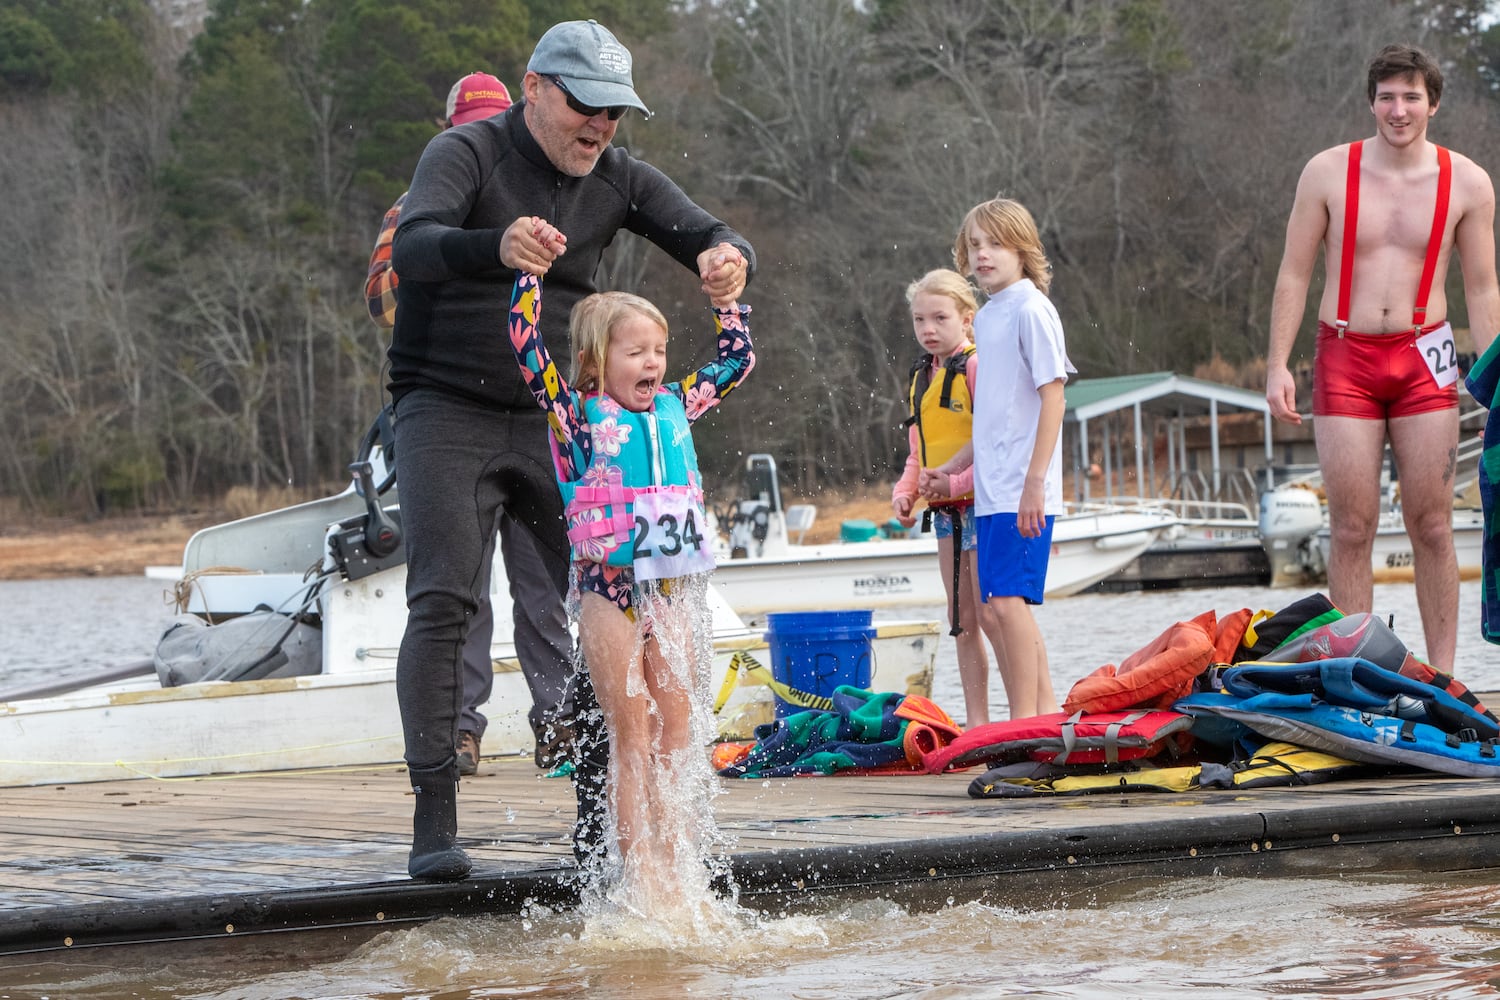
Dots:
(371, 542)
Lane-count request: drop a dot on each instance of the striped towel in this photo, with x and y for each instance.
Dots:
(1483, 381)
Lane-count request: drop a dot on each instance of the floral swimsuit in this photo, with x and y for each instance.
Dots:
(573, 435)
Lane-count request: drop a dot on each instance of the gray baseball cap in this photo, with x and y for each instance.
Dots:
(590, 61)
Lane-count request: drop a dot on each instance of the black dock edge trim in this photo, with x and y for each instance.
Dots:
(1372, 833)
(239, 914)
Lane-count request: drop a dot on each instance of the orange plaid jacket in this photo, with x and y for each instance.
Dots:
(380, 283)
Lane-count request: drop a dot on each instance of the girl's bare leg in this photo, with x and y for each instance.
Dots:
(973, 664)
(661, 781)
(990, 624)
(614, 652)
(676, 665)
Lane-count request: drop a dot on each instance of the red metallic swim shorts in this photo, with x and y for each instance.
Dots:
(1374, 376)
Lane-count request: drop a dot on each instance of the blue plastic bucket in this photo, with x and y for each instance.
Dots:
(816, 651)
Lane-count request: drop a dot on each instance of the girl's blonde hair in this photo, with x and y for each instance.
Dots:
(589, 328)
(945, 281)
(1007, 222)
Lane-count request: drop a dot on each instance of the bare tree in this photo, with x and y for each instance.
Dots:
(799, 88)
(181, 291)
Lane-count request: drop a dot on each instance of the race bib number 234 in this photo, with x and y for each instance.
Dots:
(669, 536)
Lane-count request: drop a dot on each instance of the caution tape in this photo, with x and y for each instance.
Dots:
(743, 663)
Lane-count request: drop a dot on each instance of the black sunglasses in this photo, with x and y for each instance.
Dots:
(614, 113)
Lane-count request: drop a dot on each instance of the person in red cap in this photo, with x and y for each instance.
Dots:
(476, 96)
(540, 188)
(543, 644)
(471, 98)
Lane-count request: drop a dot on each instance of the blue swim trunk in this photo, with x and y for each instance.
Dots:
(942, 524)
(1010, 565)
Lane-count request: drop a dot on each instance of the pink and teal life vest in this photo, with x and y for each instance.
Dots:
(633, 453)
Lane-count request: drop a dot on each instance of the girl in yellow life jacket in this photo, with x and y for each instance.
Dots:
(940, 403)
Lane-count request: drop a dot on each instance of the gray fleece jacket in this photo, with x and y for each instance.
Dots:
(471, 183)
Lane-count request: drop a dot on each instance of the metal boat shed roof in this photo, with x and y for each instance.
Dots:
(1163, 393)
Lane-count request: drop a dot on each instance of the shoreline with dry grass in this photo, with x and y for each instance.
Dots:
(55, 548)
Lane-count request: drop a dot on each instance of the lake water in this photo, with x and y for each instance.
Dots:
(1408, 935)
(54, 629)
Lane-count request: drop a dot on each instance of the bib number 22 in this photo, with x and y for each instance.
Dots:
(669, 540)
(1441, 355)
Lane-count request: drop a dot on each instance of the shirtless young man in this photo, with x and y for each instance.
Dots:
(1385, 361)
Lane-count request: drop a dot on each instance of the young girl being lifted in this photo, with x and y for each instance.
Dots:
(624, 459)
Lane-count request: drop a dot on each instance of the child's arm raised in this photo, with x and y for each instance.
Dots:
(724, 271)
(531, 244)
(702, 390)
(548, 387)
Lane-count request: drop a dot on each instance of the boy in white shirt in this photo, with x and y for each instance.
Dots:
(1017, 450)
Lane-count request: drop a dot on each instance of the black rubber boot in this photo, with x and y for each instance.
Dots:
(590, 765)
(435, 853)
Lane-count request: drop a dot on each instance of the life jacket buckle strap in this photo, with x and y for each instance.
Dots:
(586, 498)
(619, 526)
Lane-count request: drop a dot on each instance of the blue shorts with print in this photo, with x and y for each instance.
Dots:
(942, 524)
(1009, 564)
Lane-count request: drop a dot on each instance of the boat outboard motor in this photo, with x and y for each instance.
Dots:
(1290, 519)
(748, 528)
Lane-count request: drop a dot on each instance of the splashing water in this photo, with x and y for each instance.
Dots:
(1356, 937)
(665, 857)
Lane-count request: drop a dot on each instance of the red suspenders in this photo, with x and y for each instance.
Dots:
(1351, 226)
(1434, 241)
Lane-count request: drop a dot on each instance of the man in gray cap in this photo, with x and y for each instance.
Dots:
(543, 643)
(472, 441)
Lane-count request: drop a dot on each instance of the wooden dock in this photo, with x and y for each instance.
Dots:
(1243, 564)
(121, 862)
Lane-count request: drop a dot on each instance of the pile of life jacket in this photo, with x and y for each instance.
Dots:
(1303, 695)
(862, 732)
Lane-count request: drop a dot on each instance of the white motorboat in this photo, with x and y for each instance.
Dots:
(316, 558)
(764, 566)
(1294, 531)
(1391, 556)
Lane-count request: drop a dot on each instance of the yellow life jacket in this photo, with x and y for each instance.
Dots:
(942, 410)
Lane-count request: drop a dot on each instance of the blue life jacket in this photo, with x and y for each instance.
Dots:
(1357, 710)
(634, 453)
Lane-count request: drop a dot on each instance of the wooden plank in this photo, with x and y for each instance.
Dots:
(69, 845)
